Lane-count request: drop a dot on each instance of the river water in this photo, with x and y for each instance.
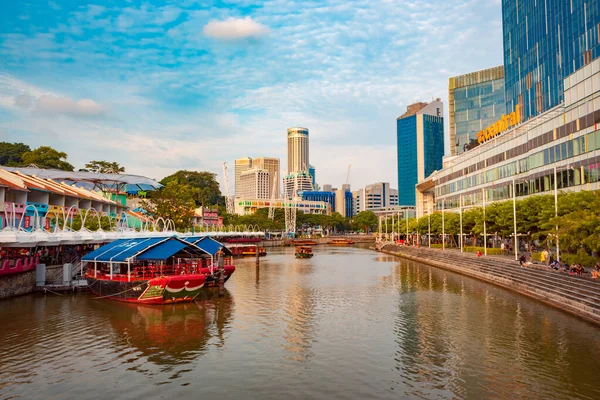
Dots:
(348, 323)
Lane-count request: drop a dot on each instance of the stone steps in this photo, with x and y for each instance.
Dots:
(577, 294)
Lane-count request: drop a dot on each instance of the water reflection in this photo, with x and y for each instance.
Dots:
(347, 323)
(170, 335)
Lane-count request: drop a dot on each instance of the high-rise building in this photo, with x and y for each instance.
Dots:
(475, 101)
(544, 42)
(271, 165)
(254, 184)
(343, 203)
(327, 188)
(297, 149)
(297, 182)
(420, 132)
(241, 165)
(313, 174)
(372, 196)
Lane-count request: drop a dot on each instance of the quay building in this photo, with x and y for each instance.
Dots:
(516, 158)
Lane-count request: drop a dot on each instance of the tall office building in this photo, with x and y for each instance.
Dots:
(420, 132)
(544, 42)
(475, 101)
(254, 184)
(297, 182)
(271, 165)
(376, 195)
(241, 165)
(297, 149)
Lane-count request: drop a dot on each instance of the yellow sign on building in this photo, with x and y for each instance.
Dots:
(505, 122)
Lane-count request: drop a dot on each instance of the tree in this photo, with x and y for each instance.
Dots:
(11, 154)
(47, 157)
(104, 167)
(205, 188)
(366, 220)
(173, 201)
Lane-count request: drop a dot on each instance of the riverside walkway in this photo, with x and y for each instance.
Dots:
(575, 294)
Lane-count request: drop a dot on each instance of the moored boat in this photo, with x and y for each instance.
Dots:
(304, 252)
(340, 242)
(247, 251)
(156, 270)
(303, 242)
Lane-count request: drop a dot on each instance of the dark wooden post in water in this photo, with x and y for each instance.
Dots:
(257, 256)
(221, 273)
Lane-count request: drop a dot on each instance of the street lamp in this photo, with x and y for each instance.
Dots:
(429, 226)
(461, 223)
(443, 228)
(484, 226)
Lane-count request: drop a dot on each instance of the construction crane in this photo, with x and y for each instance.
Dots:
(348, 175)
(228, 199)
(273, 198)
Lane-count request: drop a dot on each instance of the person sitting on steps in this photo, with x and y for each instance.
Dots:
(596, 271)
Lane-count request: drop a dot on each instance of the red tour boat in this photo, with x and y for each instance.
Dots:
(159, 270)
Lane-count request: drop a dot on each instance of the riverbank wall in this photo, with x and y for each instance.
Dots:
(25, 282)
(577, 295)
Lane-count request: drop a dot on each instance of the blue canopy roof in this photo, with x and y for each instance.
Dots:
(156, 248)
(207, 244)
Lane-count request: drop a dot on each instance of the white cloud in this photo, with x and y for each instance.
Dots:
(51, 105)
(235, 28)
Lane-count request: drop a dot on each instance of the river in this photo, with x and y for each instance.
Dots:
(347, 323)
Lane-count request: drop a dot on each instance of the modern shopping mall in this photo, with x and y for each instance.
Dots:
(563, 142)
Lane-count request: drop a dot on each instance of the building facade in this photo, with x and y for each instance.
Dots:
(475, 100)
(272, 166)
(297, 149)
(254, 184)
(344, 203)
(297, 182)
(241, 165)
(250, 206)
(420, 134)
(524, 160)
(374, 196)
(544, 42)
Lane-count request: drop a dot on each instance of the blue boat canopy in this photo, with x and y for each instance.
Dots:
(155, 249)
(209, 245)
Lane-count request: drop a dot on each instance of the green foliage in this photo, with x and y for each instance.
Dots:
(11, 154)
(581, 258)
(104, 167)
(174, 201)
(203, 185)
(47, 157)
(366, 221)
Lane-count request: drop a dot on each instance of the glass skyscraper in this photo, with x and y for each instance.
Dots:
(475, 101)
(544, 42)
(420, 133)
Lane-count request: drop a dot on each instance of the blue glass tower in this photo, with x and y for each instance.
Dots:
(420, 135)
(544, 42)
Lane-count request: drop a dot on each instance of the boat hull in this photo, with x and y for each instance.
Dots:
(163, 290)
(304, 255)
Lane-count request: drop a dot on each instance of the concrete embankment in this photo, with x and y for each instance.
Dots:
(25, 282)
(575, 294)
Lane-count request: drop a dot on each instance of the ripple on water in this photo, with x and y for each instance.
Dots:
(348, 323)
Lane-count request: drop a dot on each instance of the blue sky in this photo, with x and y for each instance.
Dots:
(162, 86)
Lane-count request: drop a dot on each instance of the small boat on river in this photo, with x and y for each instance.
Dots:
(304, 252)
(247, 251)
(340, 242)
(157, 270)
(304, 242)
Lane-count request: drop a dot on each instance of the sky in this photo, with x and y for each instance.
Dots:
(163, 86)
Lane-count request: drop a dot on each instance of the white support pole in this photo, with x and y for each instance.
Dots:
(515, 240)
(556, 213)
(443, 227)
(110, 265)
(128, 271)
(429, 227)
(484, 225)
(398, 218)
(406, 215)
(461, 224)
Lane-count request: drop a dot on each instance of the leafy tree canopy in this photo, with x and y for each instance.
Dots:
(104, 167)
(366, 221)
(174, 201)
(47, 157)
(11, 154)
(203, 185)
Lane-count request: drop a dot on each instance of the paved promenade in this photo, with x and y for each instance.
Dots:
(578, 295)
